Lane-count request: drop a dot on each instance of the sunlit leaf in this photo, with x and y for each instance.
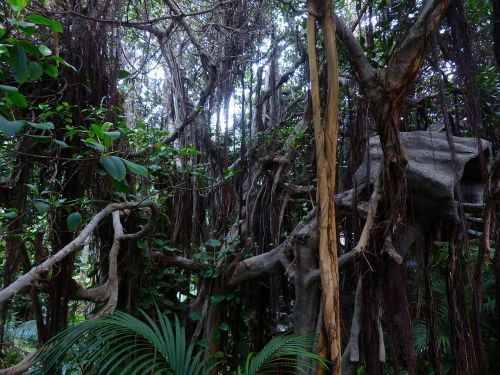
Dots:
(41, 20)
(44, 50)
(17, 5)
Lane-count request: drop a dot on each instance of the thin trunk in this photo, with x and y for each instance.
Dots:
(326, 134)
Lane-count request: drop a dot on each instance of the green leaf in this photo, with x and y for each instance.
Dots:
(17, 5)
(29, 47)
(60, 143)
(20, 23)
(136, 168)
(42, 206)
(216, 299)
(122, 74)
(9, 215)
(41, 125)
(44, 50)
(73, 221)
(213, 243)
(6, 88)
(19, 63)
(50, 70)
(35, 70)
(195, 315)
(10, 128)
(114, 166)
(41, 20)
(92, 143)
(41, 138)
(113, 134)
(18, 99)
(120, 186)
(224, 327)
(63, 62)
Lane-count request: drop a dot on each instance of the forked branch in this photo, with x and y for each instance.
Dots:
(33, 275)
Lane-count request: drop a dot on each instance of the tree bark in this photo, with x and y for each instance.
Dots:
(326, 134)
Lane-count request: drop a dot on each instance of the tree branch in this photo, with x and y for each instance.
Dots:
(176, 260)
(74, 245)
(409, 56)
(365, 71)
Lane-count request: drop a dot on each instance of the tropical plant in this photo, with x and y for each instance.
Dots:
(122, 344)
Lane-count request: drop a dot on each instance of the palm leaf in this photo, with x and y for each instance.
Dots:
(122, 344)
(281, 353)
(26, 331)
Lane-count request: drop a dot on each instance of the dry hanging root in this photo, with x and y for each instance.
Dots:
(326, 134)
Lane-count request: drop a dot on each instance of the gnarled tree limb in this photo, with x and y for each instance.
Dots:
(31, 276)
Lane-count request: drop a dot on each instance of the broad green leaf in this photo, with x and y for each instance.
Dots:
(17, 5)
(114, 166)
(18, 99)
(63, 62)
(136, 168)
(35, 70)
(224, 327)
(19, 63)
(50, 70)
(44, 50)
(41, 138)
(10, 128)
(6, 88)
(113, 134)
(41, 20)
(41, 125)
(42, 206)
(73, 221)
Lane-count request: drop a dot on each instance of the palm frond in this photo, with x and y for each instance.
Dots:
(26, 331)
(281, 353)
(122, 344)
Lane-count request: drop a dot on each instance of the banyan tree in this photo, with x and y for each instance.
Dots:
(183, 183)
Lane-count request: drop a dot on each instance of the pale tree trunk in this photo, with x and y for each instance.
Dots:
(326, 133)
